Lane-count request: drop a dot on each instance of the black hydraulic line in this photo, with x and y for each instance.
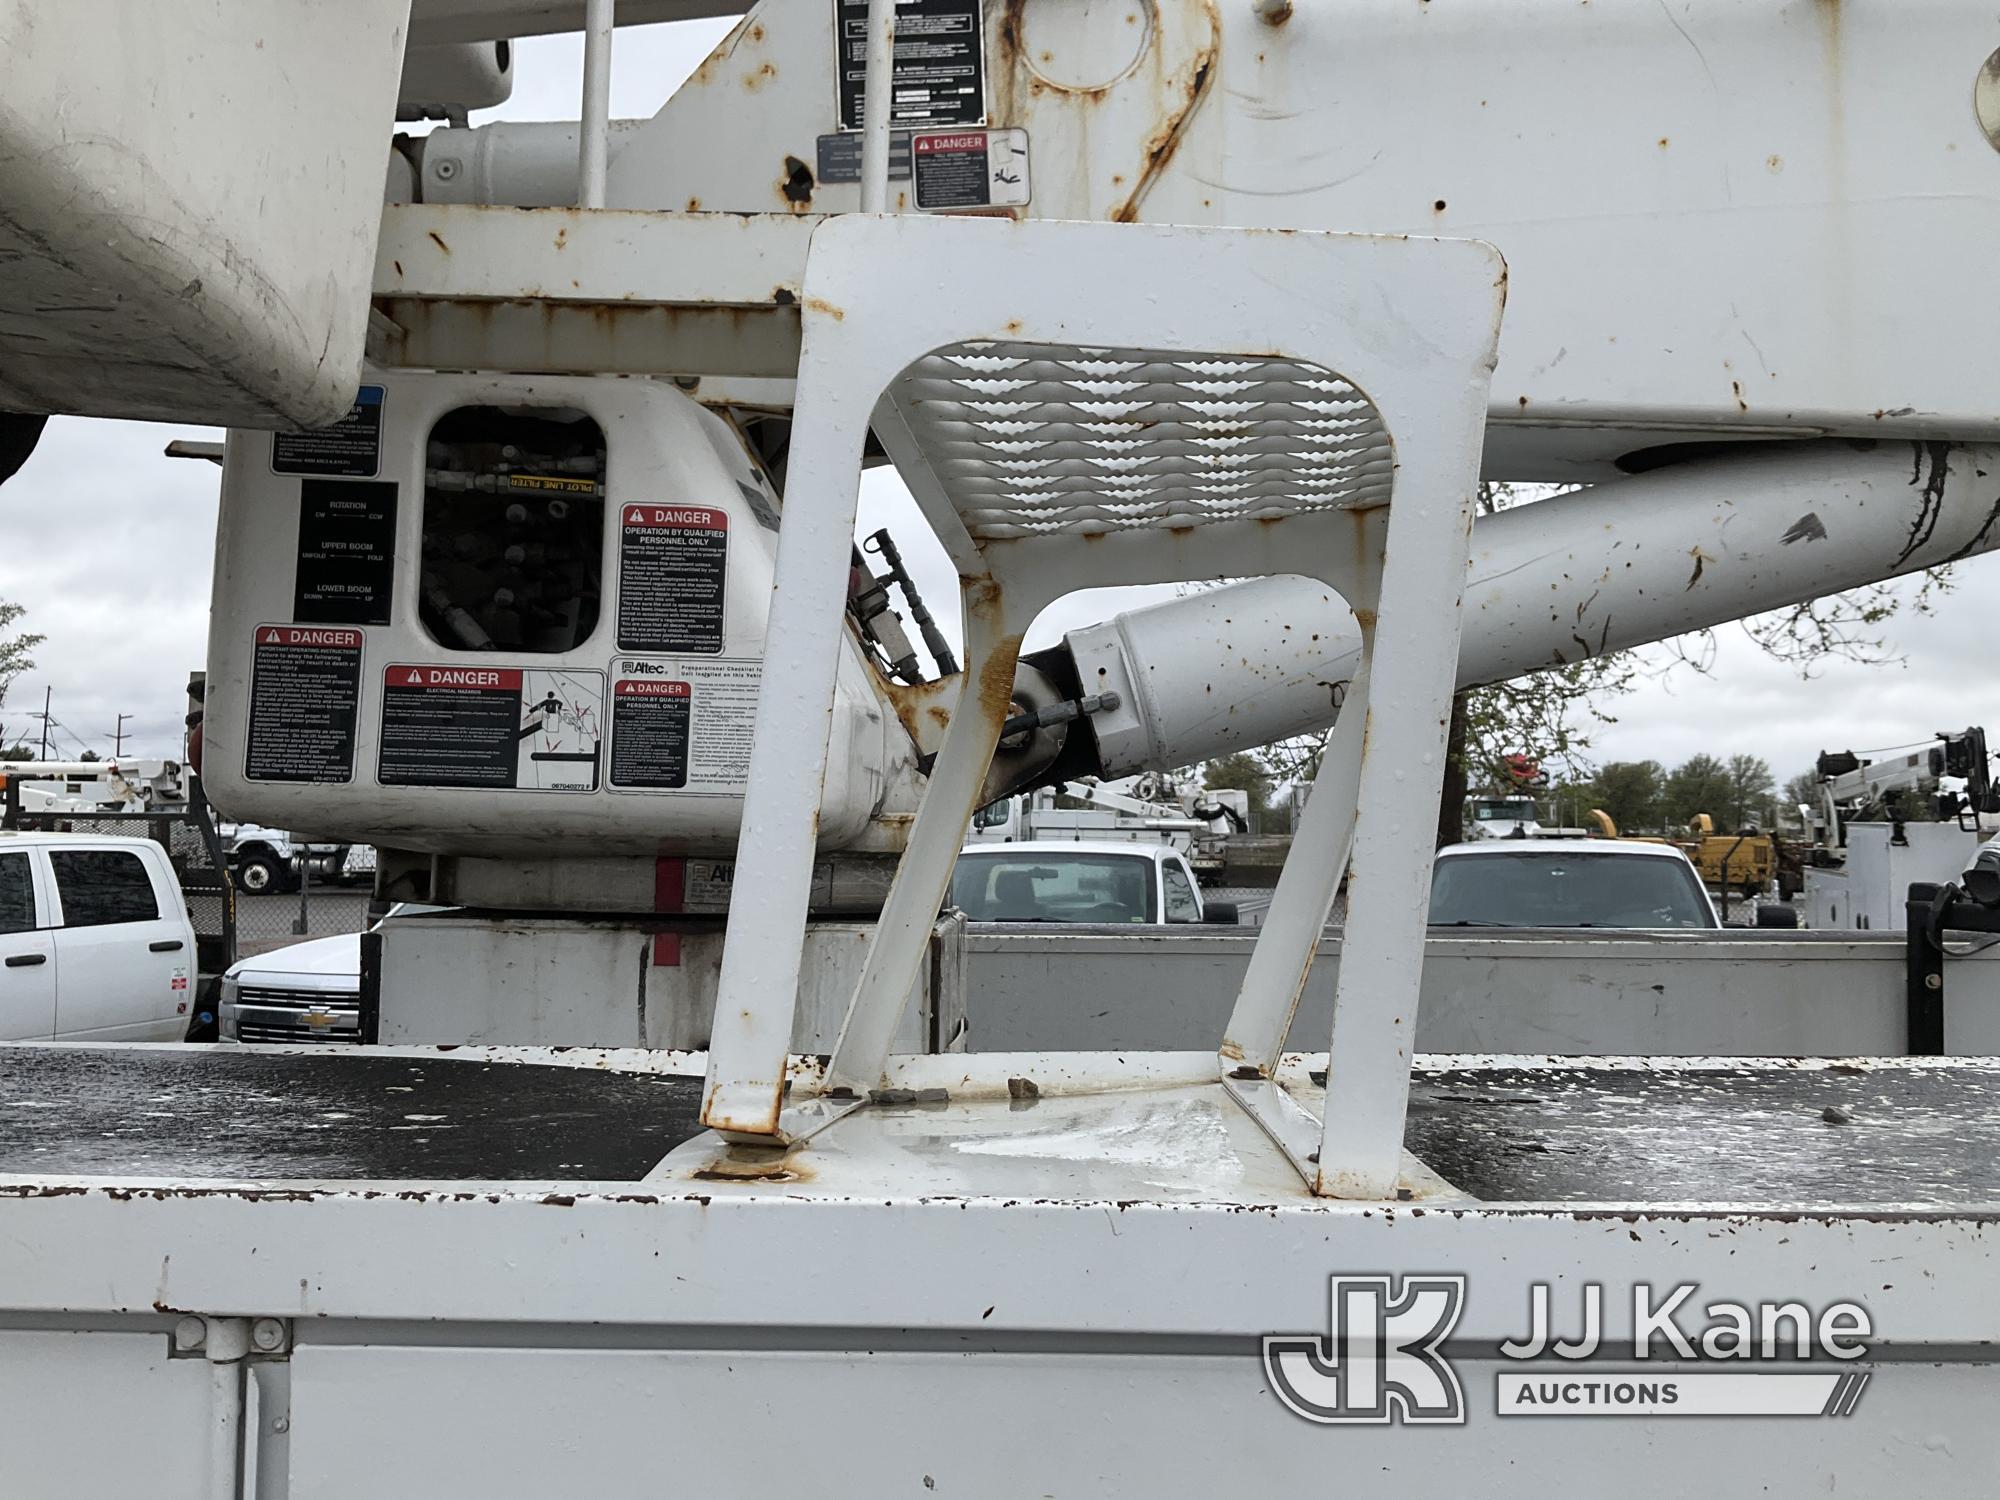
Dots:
(934, 641)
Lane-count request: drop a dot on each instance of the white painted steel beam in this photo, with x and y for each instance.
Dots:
(570, 291)
(492, 20)
(595, 126)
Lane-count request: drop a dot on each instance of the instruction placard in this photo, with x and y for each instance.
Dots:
(839, 157)
(649, 733)
(305, 695)
(506, 728)
(961, 169)
(940, 72)
(683, 726)
(673, 563)
(350, 448)
(347, 552)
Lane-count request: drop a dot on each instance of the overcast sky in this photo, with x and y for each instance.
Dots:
(108, 544)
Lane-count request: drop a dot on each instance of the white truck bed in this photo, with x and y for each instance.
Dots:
(510, 1273)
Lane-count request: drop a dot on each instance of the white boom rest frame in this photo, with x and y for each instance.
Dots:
(1083, 405)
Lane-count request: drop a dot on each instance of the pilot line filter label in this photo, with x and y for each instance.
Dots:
(305, 694)
(673, 561)
(505, 728)
(682, 726)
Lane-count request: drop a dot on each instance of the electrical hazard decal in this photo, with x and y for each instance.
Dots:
(305, 694)
(505, 728)
(673, 562)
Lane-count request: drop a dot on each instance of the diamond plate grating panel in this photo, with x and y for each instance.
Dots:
(1040, 439)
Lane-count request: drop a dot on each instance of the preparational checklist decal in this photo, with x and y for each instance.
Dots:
(682, 726)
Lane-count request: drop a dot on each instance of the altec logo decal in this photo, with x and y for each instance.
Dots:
(1383, 1358)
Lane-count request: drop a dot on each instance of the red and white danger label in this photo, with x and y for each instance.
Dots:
(629, 689)
(681, 516)
(495, 679)
(305, 696)
(300, 635)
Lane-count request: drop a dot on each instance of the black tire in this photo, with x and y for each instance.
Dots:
(259, 873)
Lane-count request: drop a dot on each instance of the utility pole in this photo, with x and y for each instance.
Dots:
(118, 735)
(47, 693)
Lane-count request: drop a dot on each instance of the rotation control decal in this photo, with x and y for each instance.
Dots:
(504, 728)
(673, 562)
(346, 569)
(682, 726)
(305, 695)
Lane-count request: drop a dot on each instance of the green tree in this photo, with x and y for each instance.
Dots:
(1241, 772)
(1700, 784)
(16, 651)
(1750, 789)
(18, 752)
(1629, 792)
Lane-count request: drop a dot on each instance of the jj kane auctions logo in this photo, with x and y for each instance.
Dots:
(1383, 1357)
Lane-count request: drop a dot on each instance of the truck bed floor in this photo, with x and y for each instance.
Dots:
(330, 1114)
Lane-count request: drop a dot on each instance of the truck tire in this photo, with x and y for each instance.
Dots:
(259, 872)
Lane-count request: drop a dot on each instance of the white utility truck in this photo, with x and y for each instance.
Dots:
(538, 570)
(1873, 831)
(1154, 809)
(1109, 881)
(1502, 817)
(95, 942)
(87, 786)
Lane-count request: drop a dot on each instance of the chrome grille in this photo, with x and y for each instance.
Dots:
(294, 1003)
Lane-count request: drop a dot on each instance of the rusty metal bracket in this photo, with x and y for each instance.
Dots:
(588, 291)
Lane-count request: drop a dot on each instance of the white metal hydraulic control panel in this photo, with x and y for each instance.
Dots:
(506, 617)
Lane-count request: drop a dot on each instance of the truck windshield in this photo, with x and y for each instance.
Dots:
(1568, 890)
(1511, 810)
(1044, 887)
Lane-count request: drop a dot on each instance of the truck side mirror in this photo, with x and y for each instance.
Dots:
(1219, 914)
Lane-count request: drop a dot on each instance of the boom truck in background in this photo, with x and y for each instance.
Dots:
(537, 571)
(1882, 826)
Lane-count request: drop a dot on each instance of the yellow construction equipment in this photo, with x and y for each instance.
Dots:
(1745, 862)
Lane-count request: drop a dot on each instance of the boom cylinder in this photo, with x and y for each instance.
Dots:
(1579, 575)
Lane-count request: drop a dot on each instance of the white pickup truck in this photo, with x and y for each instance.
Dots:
(95, 942)
(1102, 881)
